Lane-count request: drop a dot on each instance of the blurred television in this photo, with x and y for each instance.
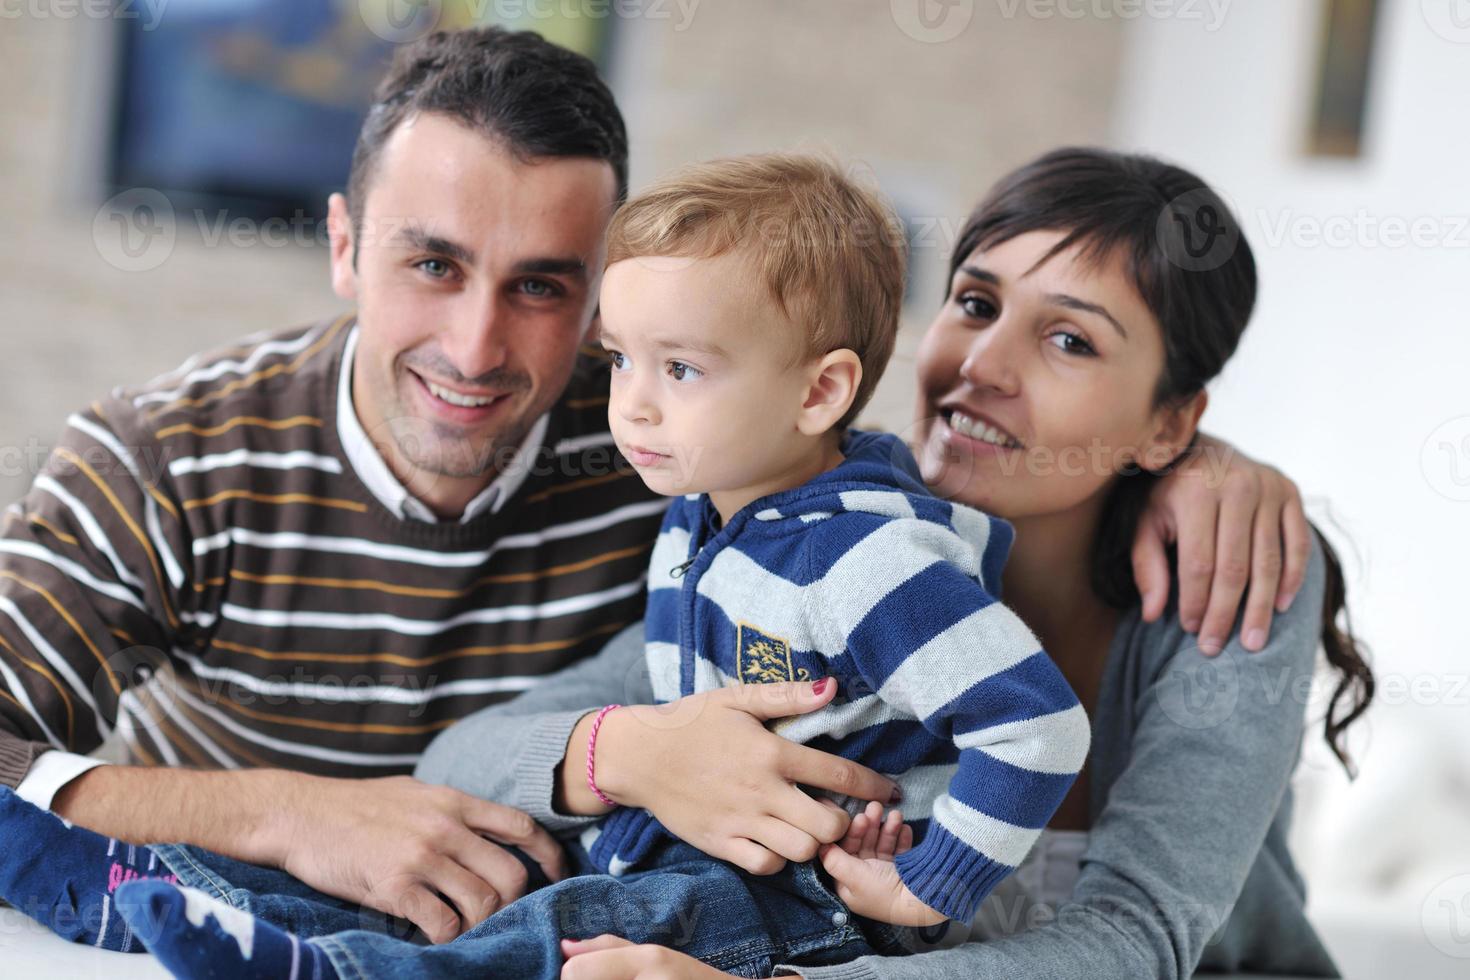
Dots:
(252, 107)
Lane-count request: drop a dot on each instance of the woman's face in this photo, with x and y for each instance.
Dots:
(1036, 381)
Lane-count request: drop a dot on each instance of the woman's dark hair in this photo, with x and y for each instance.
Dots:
(1186, 255)
(538, 99)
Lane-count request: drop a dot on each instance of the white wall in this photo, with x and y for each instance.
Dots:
(1353, 378)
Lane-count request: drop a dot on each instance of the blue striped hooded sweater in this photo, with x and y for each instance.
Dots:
(862, 575)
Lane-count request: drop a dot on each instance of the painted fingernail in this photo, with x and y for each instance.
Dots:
(818, 686)
(1255, 639)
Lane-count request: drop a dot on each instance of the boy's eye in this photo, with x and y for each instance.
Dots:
(616, 359)
(684, 372)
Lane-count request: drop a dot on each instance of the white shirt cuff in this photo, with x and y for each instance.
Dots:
(49, 773)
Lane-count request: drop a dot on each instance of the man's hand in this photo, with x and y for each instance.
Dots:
(397, 845)
(1236, 522)
(867, 879)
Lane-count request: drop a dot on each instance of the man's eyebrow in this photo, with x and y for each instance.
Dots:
(1073, 303)
(416, 237)
(569, 266)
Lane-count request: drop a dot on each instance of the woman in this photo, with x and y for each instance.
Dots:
(1066, 369)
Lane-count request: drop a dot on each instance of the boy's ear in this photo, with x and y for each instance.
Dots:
(832, 385)
(344, 252)
(1175, 428)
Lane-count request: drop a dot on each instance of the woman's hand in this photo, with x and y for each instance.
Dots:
(1236, 522)
(709, 770)
(610, 958)
(867, 879)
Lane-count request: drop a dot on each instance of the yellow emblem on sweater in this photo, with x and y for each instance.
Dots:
(764, 659)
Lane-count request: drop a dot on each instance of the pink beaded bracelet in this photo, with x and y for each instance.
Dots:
(591, 753)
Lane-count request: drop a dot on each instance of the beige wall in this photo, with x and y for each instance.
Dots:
(935, 122)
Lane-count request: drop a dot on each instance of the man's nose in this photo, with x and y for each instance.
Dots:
(478, 339)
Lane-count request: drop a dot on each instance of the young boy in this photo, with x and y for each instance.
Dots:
(748, 309)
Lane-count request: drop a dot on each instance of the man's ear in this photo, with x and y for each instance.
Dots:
(1175, 428)
(344, 253)
(832, 385)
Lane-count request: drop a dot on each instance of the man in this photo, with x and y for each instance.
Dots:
(284, 567)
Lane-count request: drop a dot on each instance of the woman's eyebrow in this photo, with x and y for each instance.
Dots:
(1073, 303)
(975, 272)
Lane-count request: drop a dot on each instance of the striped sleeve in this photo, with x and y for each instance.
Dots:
(92, 562)
(911, 610)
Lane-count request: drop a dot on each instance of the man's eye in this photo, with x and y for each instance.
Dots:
(540, 288)
(684, 372)
(437, 268)
(977, 306)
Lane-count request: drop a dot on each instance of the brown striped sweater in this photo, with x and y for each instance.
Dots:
(199, 568)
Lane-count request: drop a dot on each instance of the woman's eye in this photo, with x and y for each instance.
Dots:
(1072, 343)
(977, 306)
(437, 268)
(684, 372)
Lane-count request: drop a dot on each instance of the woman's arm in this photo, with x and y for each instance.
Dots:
(510, 752)
(1213, 744)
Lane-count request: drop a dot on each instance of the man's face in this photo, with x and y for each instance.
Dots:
(475, 279)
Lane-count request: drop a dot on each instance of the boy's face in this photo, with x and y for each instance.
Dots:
(706, 384)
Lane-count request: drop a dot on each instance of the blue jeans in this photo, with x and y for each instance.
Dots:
(736, 922)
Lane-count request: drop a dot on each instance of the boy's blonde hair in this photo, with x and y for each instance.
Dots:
(830, 251)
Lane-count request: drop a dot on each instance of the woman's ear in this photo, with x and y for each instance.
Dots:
(344, 250)
(1175, 428)
(832, 385)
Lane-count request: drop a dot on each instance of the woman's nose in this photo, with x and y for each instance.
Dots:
(993, 360)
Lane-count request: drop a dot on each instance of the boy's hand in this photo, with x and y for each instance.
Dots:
(867, 879)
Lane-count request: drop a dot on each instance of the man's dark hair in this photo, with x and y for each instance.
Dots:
(538, 99)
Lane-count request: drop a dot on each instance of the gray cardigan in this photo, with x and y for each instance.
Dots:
(1186, 866)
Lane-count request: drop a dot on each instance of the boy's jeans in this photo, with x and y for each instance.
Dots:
(736, 922)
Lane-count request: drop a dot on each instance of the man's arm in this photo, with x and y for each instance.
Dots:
(91, 570)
